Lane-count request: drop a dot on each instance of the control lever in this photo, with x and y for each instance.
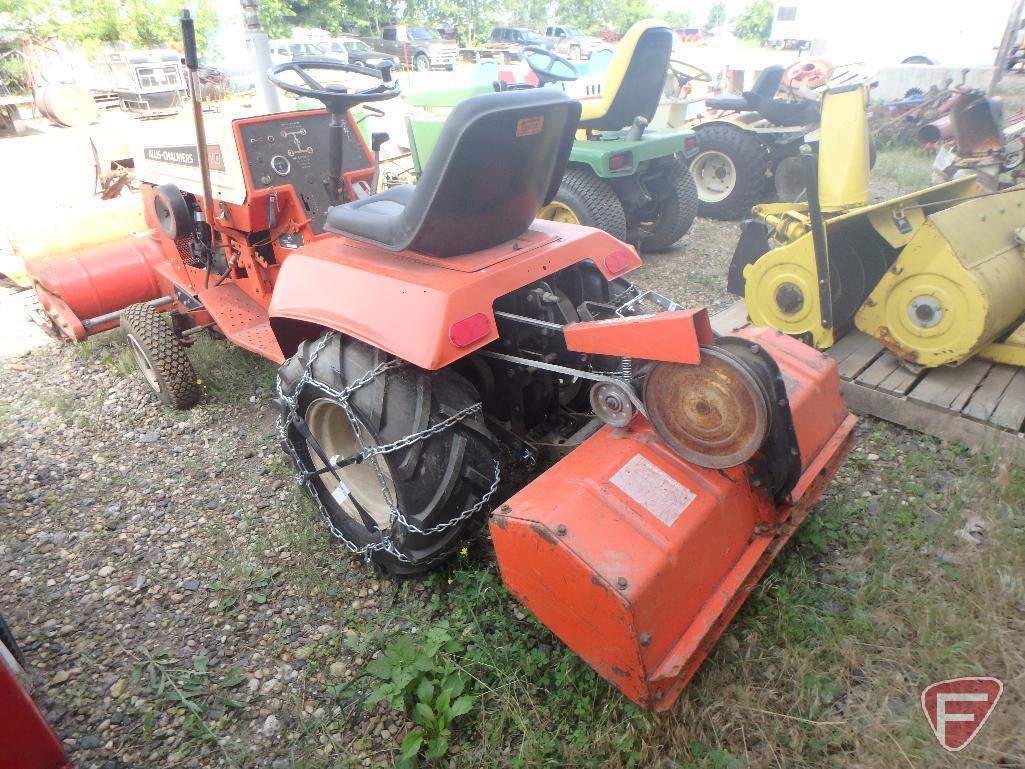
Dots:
(637, 129)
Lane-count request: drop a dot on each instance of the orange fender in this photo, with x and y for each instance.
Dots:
(425, 310)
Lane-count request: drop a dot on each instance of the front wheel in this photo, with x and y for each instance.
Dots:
(429, 462)
(584, 198)
(160, 356)
(730, 171)
(421, 63)
(574, 53)
(676, 205)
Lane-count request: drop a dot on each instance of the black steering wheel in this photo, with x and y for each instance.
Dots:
(687, 73)
(337, 98)
(548, 74)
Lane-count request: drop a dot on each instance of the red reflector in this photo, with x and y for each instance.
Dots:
(469, 330)
(619, 161)
(690, 143)
(617, 261)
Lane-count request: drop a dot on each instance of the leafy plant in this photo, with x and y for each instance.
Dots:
(172, 683)
(418, 677)
(251, 583)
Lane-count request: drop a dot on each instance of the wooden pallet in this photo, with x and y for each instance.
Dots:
(980, 404)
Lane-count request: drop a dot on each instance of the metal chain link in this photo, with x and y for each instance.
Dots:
(303, 478)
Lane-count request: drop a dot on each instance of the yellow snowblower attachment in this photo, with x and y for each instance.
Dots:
(808, 269)
(956, 287)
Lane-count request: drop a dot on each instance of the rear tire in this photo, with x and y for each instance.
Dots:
(591, 201)
(728, 151)
(677, 206)
(160, 356)
(431, 482)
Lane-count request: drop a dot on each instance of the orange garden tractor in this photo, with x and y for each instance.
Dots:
(430, 337)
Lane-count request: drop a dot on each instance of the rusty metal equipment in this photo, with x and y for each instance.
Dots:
(979, 142)
(430, 336)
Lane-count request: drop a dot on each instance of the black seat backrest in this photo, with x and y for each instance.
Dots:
(768, 81)
(641, 89)
(499, 159)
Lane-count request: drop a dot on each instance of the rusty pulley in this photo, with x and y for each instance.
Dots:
(715, 414)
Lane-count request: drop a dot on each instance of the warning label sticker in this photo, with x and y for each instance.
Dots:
(653, 489)
(528, 126)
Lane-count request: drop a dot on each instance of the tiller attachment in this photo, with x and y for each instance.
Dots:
(638, 547)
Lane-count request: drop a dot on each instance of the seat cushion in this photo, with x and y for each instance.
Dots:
(374, 218)
(736, 103)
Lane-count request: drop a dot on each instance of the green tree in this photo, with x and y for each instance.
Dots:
(593, 15)
(755, 22)
(716, 15)
(677, 19)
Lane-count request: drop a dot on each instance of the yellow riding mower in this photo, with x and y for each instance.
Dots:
(936, 276)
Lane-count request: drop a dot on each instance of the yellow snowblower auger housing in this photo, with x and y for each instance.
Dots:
(807, 269)
(957, 287)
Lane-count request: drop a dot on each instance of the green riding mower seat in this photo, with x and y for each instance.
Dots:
(629, 90)
(500, 158)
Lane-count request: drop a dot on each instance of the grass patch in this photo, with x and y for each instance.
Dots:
(876, 597)
(230, 374)
(909, 167)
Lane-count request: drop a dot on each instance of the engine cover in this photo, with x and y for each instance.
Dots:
(638, 560)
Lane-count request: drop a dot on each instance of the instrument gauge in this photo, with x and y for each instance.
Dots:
(280, 165)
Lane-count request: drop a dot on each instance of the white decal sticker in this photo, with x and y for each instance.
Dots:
(653, 489)
(341, 493)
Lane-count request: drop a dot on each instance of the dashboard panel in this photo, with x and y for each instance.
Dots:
(293, 149)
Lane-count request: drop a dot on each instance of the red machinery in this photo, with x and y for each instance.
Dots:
(26, 740)
(420, 330)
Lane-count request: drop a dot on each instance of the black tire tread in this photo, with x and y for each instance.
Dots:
(180, 388)
(751, 161)
(594, 202)
(677, 213)
(436, 478)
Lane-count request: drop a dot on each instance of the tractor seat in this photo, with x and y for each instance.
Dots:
(765, 87)
(634, 80)
(500, 158)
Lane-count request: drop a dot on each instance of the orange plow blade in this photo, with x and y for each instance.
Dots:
(638, 559)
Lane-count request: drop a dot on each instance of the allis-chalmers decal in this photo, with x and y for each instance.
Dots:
(186, 156)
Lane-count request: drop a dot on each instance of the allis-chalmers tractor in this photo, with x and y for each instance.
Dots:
(430, 336)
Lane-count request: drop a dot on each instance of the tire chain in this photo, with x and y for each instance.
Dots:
(303, 477)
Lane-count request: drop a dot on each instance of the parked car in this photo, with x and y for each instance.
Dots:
(571, 42)
(299, 50)
(690, 34)
(358, 52)
(509, 40)
(415, 47)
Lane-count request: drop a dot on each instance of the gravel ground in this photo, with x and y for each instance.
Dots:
(169, 585)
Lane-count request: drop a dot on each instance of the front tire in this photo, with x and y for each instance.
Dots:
(677, 206)
(421, 63)
(730, 171)
(160, 356)
(432, 482)
(584, 198)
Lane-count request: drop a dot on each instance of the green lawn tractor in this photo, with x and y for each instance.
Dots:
(631, 182)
